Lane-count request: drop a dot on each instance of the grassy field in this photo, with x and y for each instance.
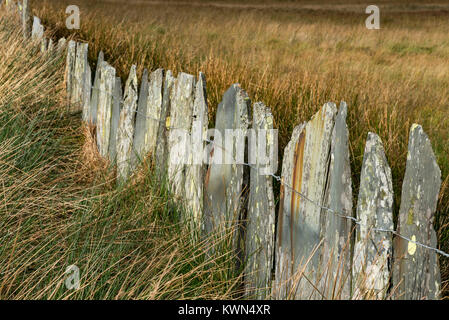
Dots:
(292, 55)
(295, 56)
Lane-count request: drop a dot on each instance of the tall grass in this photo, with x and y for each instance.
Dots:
(59, 207)
(295, 56)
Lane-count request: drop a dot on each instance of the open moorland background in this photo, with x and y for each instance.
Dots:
(294, 56)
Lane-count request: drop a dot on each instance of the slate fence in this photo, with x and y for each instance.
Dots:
(317, 246)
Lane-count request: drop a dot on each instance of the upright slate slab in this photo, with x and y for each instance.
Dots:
(285, 266)
(163, 131)
(81, 70)
(195, 169)
(77, 97)
(125, 133)
(305, 169)
(26, 27)
(260, 230)
(86, 93)
(154, 110)
(141, 119)
(373, 249)
(180, 125)
(37, 31)
(70, 69)
(416, 269)
(117, 101)
(104, 112)
(96, 90)
(224, 184)
(336, 230)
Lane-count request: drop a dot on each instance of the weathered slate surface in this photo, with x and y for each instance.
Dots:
(163, 131)
(87, 88)
(180, 125)
(84, 75)
(117, 101)
(336, 230)
(96, 90)
(104, 112)
(283, 288)
(70, 69)
(305, 169)
(125, 133)
(37, 31)
(195, 169)
(373, 249)
(416, 269)
(76, 84)
(225, 182)
(141, 117)
(26, 27)
(79, 77)
(153, 112)
(260, 230)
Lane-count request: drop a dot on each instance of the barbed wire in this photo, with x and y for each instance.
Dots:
(291, 188)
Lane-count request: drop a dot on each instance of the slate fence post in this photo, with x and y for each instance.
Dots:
(260, 221)
(416, 267)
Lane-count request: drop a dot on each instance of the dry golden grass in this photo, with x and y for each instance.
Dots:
(295, 56)
(90, 155)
